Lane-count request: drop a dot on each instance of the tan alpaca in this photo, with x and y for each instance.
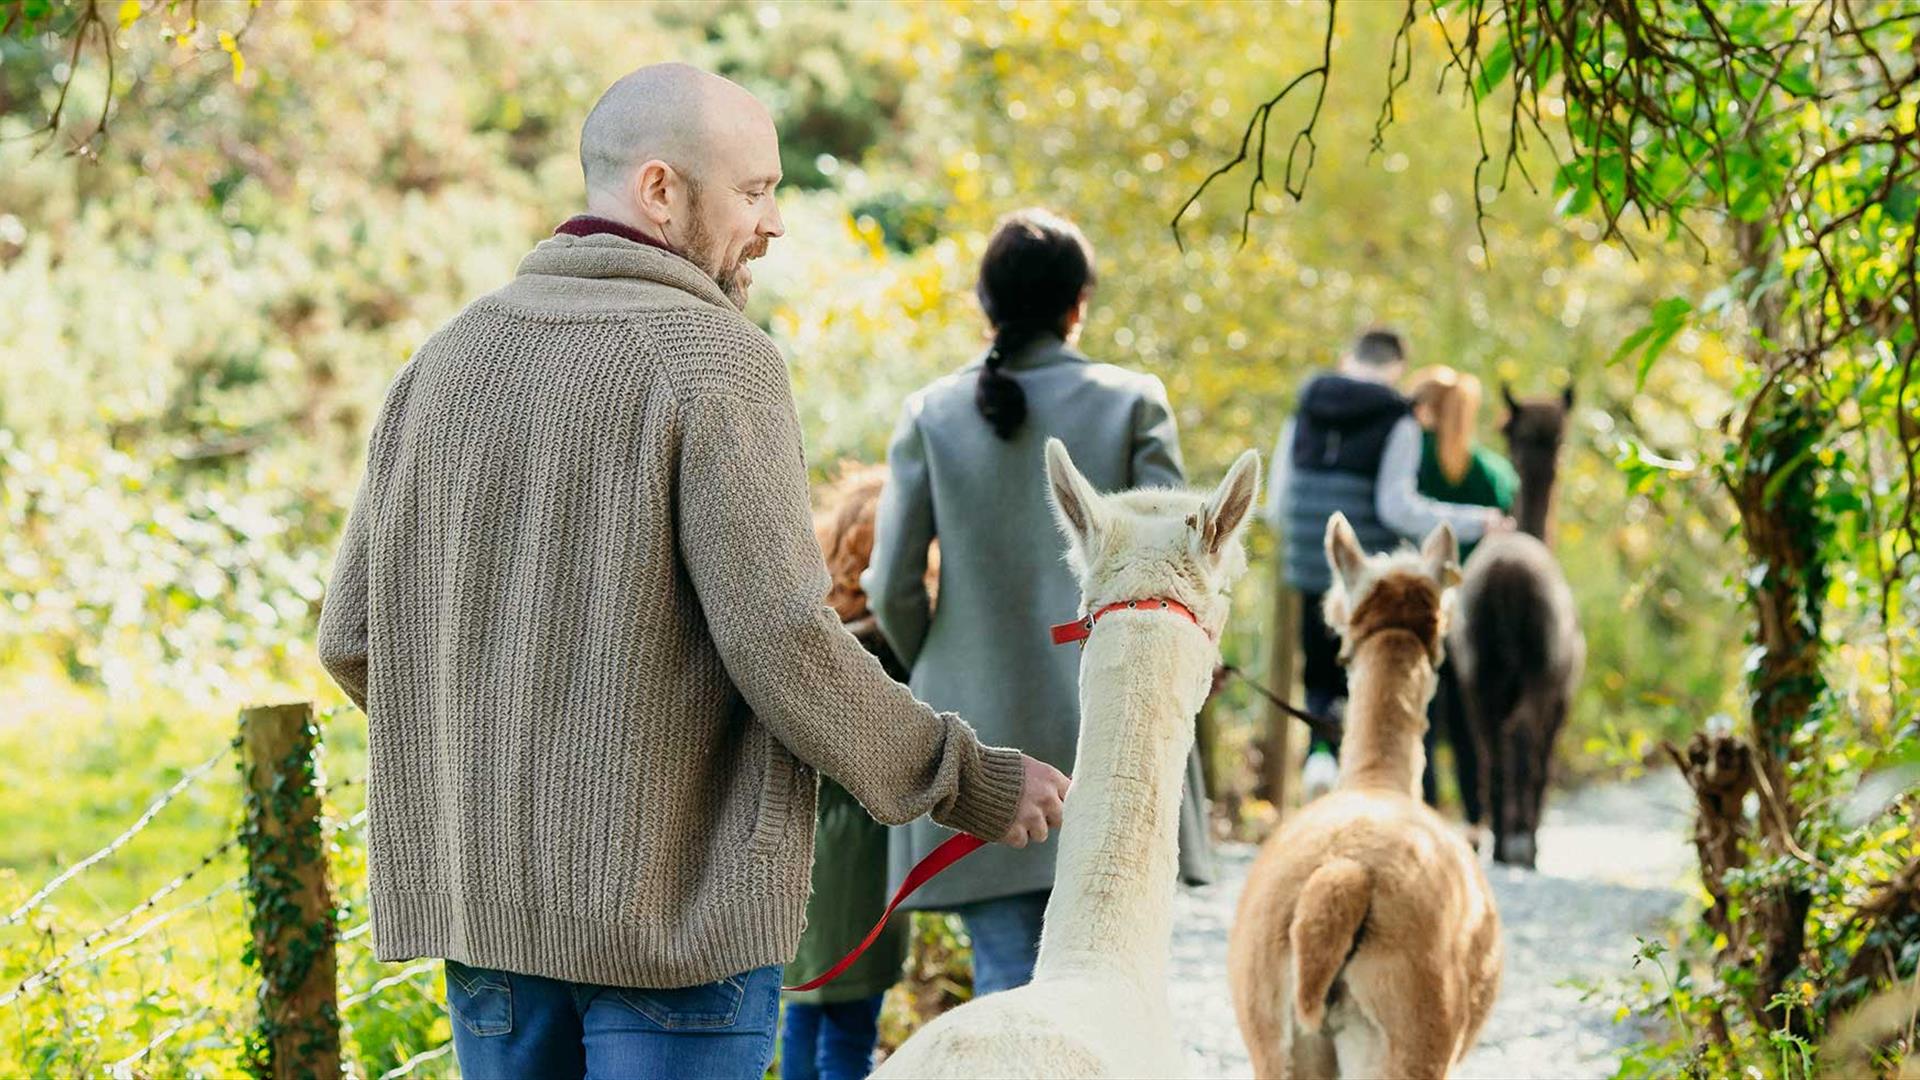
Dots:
(1367, 944)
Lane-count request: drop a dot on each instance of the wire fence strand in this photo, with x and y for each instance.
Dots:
(159, 921)
(179, 787)
(388, 983)
(124, 1067)
(417, 1060)
(66, 959)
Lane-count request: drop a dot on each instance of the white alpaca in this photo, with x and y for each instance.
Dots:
(1097, 1005)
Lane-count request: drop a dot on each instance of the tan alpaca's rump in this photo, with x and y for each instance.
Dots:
(1332, 905)
(1366, 943)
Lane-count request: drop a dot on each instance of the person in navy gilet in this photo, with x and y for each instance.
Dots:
(1353, 446)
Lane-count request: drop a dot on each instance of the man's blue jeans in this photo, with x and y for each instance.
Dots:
(830, 1042)
(509, 1027)
(1006, 939)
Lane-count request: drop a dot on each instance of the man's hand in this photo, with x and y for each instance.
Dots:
(1498, 522)
(1042, 793)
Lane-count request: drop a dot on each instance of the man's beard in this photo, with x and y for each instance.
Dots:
(710, 256)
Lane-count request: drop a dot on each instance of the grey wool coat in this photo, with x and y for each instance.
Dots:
(985, 653)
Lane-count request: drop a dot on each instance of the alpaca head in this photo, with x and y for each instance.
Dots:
(1535, 428)
(1405, 592)
(1154, 542)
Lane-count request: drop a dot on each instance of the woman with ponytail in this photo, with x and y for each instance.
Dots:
(1455, 468)
(966, 466)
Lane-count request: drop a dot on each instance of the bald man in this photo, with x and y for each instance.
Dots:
(580, 601)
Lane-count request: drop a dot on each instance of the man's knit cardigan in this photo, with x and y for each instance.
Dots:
(580, 600)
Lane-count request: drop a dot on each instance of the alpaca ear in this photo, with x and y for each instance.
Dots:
(1442, 555)
(1227, 508)
(1566, 397)
(1343, 550)
(1077, 508)
(1506, 395)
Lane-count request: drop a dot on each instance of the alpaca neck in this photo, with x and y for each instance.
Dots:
(1535, 502)
(1391, 680)
(1142, 679)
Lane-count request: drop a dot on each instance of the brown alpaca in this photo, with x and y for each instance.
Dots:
(1367, 944)
(1517, 640)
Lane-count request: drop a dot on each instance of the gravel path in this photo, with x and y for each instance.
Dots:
(1613, 860)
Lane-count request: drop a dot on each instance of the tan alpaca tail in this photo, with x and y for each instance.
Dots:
(1332, 905)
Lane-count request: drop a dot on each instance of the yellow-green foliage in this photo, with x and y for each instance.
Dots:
(199, 326)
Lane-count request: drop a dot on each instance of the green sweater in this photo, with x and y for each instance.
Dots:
(1489, 481)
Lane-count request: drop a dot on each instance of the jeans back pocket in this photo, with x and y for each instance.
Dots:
(480, 999)
(712, 1005)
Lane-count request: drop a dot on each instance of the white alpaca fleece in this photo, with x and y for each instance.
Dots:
(1097, 1005)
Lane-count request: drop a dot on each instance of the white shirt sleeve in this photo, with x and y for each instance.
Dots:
(1280, 474)
(1397, 498)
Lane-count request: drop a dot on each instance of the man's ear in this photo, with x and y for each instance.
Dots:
(1077, 508)
(1227, 509)
(1344, 554)
(653, 192)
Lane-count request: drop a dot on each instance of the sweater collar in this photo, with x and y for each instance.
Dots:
(583, 249)
(594, 225)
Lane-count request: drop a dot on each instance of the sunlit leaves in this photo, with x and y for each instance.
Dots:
(1668, 318)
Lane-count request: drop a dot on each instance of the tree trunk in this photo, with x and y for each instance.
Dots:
(1775, 480)
(1719, 769)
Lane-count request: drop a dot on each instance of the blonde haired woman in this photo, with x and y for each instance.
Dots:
(1455, 468)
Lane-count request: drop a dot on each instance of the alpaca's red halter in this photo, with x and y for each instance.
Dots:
(1081, 629)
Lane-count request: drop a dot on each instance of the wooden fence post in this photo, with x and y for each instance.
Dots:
(1277, 759)
(291, 900)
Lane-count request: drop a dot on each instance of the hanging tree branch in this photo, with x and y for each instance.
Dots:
(90, 27)
(1261, 115)
(1670, 112)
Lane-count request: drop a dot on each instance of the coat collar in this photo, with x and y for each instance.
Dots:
(1043, 352)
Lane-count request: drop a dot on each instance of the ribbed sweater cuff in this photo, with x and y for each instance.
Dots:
(990, 795)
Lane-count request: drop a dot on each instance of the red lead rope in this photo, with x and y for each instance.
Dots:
(961, 845)
(955, 848)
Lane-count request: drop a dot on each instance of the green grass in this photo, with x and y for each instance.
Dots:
(74, 774)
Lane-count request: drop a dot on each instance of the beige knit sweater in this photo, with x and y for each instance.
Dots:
(580, 601)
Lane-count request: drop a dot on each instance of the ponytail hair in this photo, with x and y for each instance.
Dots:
(1453, 399)
(1036, 268)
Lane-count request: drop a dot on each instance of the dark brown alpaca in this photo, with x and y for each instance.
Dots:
(1517, 637)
